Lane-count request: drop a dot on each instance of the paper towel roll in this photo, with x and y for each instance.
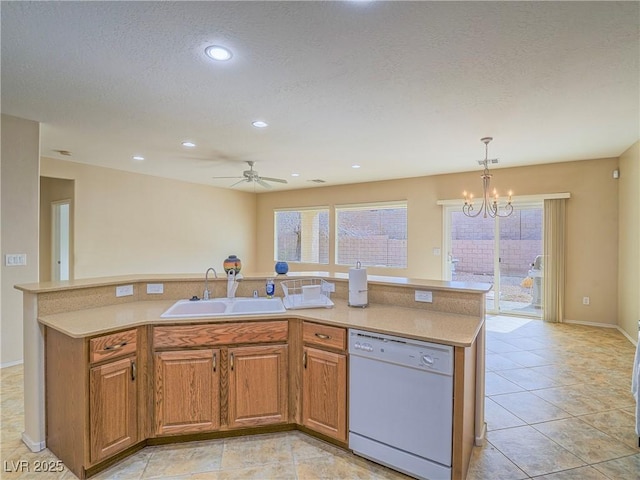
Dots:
(358, 287)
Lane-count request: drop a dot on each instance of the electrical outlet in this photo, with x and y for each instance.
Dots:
(586, 300)
(329, 287)
(424, 296)
(155, 288)
(15, 259)
(124, 290)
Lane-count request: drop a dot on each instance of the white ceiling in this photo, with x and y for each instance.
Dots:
(402, 88)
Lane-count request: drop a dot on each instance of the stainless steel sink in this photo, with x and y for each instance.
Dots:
(219, 307)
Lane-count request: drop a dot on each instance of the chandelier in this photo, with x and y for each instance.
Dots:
(489, 206)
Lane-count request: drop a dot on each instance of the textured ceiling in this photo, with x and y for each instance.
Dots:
(402, 88)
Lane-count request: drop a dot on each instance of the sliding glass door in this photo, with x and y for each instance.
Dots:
(507, 252)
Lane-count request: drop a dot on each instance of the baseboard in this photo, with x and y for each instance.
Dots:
(629, 337)
(590, 324)
(634, 341)
(35, 447)
(482, 436)
(11, 364)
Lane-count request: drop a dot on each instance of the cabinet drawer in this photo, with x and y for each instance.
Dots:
(111, 346)
(219, 334)
(324, 335)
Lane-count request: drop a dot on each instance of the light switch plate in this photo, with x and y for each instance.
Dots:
(155, 288)
(424, 296)
(124, 290)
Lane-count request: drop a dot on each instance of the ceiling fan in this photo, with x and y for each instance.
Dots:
(252, 176)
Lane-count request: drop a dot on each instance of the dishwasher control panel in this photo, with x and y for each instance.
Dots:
(402, 351)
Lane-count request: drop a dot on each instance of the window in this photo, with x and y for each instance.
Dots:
(302, 235)
(373, 234)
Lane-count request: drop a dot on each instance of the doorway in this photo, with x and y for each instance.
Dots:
(60, 240)
(507, 252)
(56, 261)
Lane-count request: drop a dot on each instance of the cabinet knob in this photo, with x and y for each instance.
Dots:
(304, 359)
(323, 336)
(231, 361)
(133, 370)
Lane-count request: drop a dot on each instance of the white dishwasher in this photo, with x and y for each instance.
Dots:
(401, 403)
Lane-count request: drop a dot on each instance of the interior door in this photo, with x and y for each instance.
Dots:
(60, 244)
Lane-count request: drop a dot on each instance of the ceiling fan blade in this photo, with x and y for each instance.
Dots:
(279, 180)
(240, 181)
(225, 177)
(261, 182)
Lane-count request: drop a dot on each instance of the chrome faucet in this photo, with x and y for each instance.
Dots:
(206, 295)
(232, 283)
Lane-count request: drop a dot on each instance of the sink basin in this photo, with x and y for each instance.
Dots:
(197, 308)
(257, 305)
(223, 307)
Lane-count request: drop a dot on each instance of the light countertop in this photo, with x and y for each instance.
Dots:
(438, 327)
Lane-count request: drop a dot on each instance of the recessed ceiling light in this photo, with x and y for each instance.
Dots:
(355, 166)
(260, 124)
(219, 53)
(188, 144)
(295, 174)
(138, 157)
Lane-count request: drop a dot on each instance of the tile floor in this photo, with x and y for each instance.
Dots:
(558, 407)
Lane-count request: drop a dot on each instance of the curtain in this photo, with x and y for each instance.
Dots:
(554, 255)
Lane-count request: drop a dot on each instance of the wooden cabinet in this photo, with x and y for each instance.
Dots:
(242, 382)
(258, 387)
(324, 380)
(93, 393)
(187, 391)
(113, 408)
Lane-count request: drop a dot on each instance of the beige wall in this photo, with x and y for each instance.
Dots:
(592, 223)
(629, 242)
(131, 223)
(19, 226)
(53, 190)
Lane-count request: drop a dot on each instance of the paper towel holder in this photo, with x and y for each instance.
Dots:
(361, 305)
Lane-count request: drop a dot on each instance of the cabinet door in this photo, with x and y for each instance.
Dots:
(324, 394)
(257, 385)
(113, 408)
(187, 396)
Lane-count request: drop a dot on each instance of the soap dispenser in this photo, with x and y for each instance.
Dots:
(270, 288)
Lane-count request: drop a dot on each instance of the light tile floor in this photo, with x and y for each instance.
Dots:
(558, 407)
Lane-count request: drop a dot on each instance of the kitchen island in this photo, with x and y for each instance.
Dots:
(78, 321)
